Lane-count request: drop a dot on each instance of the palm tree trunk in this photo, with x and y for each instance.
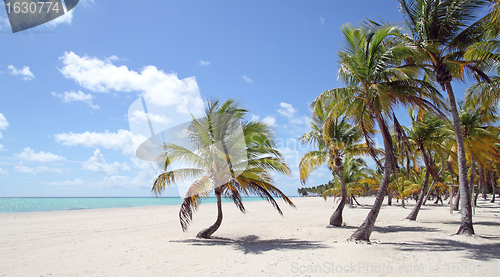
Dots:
(492, 187)
(457, 201)
(481, 185)
(207, 233)
(414, 213)
(365, 230)
(336, 218)
(354, 199)
(389, 197)
(466, 227)
(482, 182)
(434, 181)
(472, 175)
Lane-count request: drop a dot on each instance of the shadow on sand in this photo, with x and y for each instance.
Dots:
(253, 245)
(482, 252)
(394, 229)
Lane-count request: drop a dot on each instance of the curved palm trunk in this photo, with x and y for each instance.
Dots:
(414, 213)
(365, 230)
(336, 218)
(466, 227)
(207, 233)
(434, 181)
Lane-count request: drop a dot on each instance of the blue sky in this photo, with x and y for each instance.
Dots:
(66, 86)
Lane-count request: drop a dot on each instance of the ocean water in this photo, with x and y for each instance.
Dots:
(32, 204)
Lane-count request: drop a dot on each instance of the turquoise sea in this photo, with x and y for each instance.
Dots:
(42, 204)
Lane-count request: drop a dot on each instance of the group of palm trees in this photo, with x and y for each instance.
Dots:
(382, 68)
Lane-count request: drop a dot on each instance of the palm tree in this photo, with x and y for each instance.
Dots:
(230, 157)
(442, 31)
(356, 174)
(405, 187)
(428, 134)
(375, 83)
(334, 138)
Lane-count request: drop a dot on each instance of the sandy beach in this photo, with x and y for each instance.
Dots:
(148, 241)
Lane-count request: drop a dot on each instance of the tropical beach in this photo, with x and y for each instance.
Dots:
(148, 241)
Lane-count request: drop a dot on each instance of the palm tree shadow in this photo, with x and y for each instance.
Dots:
(252, 244)
(483, 252)
(395, 228)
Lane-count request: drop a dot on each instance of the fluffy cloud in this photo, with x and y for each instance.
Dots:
(63, 19)
(3, 126)
(204, 63)
(33, 170)
(24, 72)
(144, 178)
(269, 120)
(321, 20)
(140, 116)
(99, 165)
(3, 171)
(29, 155)
(156, 86)
(3, 122)
(286, 110)
(79, 96)
(246, 79)
(121, 140)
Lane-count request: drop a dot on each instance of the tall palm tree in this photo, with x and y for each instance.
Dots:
(442, 31)
(334, 138)
(375, 82)
(230, 157)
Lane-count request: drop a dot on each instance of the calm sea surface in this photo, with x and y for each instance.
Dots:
(28, 204)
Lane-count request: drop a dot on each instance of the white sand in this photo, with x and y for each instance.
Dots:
(148, 241)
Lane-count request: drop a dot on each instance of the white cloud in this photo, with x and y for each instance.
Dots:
(76, 182)
(79, 96)
(143, 179)
(33, 170)
(3, 122)
(98, 164)
(63, 19)
(3, 171)
(3, 126)
(24, 72)
(4, 22)
(158, 87)
(121, 140)
(139, 116)
(246, 79)
(270, 120)
(321, 20)
(254, 117)
(204, 63)
(287, 110)
(29, 155)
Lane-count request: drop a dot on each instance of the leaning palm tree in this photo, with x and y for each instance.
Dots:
(375, 82)
(442, 31)
(355, 174)
(334, 138)
(428, 134)
(229, 156)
